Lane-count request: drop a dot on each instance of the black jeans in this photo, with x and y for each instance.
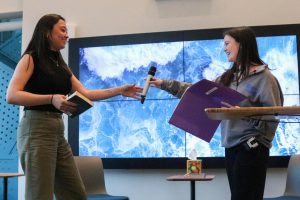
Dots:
(246, 170)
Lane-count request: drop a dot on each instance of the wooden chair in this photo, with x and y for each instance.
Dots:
(92, 174)
(292, 188)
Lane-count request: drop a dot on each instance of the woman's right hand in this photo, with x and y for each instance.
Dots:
(156, 82)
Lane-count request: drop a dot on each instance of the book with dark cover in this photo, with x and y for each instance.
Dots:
(190, 114)
(82, 102)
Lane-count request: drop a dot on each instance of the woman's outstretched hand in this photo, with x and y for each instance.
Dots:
(131, 90)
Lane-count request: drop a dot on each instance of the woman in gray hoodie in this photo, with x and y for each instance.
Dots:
(246, 142)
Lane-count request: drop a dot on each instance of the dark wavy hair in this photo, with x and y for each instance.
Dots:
(247, 55)
(39, 43)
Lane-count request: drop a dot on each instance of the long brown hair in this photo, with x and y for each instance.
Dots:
(247, 55)
(39, 43)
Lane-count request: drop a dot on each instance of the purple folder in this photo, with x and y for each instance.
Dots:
(189, 114)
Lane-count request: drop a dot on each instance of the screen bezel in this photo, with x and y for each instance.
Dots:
(143, 38)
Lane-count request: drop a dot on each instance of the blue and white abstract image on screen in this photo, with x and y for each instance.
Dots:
(121, 127)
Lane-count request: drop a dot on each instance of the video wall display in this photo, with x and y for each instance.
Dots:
(123, 128)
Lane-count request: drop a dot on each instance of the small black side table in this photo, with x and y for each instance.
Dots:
(192, 178)
(5, 176)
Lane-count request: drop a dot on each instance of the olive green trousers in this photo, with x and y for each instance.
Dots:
(47, 159)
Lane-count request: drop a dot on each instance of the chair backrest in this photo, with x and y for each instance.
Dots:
(293, 177)
(92, 174)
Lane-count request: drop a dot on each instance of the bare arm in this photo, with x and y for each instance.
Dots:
(15, 91)
(17, 95)
(23, 72)
(129, 90)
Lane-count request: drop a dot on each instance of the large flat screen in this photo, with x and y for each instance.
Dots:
(128, 134)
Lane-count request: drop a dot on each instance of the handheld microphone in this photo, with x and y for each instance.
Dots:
(151, 74)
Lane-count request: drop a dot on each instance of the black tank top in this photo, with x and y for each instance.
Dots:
(48, 79)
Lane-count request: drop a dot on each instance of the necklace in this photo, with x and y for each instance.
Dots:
(55, 61)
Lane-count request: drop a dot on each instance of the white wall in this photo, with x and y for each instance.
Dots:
(10, 6)
(102, 17)
(113, 17)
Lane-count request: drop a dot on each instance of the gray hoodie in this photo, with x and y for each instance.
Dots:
(262, 90)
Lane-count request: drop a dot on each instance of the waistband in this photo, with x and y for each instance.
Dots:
(251, 143)
(38, 113)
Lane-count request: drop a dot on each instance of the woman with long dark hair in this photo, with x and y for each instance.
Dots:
(40, 83)
(246, 142)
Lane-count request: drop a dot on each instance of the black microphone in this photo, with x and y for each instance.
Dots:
(151, 74)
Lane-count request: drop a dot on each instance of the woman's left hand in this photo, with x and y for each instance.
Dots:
(131, 90)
